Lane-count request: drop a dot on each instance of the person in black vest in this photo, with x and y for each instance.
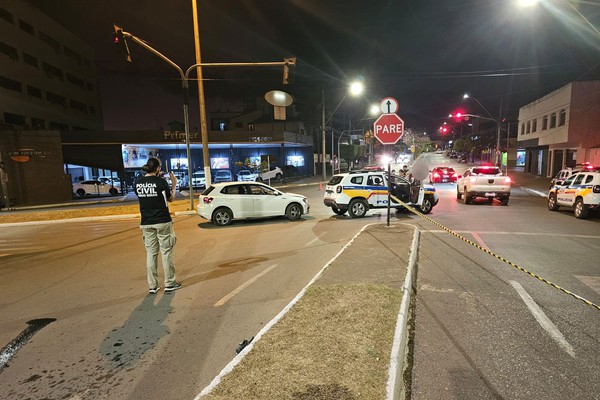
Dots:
(153, 193)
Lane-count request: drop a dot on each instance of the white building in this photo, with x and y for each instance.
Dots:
(48, 77)
(561, 129)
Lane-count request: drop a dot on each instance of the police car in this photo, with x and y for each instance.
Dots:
(580, 191)
(357, 192)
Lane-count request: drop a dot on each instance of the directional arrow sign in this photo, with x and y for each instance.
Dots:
(388, 128)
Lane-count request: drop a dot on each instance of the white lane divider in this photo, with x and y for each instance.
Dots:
(543, 319)
(235, 291)
(312, 241)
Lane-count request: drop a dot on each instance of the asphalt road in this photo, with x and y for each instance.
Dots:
(487, 330)
(475, 335)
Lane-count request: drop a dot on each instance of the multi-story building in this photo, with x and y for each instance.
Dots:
(561, 129)
(48, 77)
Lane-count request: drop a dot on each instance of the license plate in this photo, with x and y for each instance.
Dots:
(490, 195)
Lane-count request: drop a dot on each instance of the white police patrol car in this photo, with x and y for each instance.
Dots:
(580, 191)
(357, 192)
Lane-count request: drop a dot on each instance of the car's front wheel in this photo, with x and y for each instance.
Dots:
(113, 191)
(581, 210)
(466, 198)
(222, 216)
(278, 176)
(552, 203)
(427, 205)
(358, 208)
(293, 212)
(80, 192)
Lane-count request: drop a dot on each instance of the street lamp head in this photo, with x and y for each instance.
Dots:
(374, 110)
(465, 96)
(356, 88)
(527, 3)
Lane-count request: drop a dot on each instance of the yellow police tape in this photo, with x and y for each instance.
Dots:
(411, 209)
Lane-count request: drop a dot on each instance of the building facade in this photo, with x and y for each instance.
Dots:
(561, 129)
(48, 76)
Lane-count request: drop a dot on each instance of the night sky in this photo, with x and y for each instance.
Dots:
(425, 53)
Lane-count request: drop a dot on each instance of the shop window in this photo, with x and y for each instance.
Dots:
(552, 120)
(5, 15)
(10, 84)
(563, 118)
(31, 60)
(545, 123)
(10, 51)
(33, 91)
(26, 27)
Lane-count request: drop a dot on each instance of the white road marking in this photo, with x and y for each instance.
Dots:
(591, 281)
(480, 241)
(569, 235)
(250, 281)
(543, 319)
(312, 241)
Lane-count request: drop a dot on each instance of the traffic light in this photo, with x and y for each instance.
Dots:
(119, 40)
(288, 70)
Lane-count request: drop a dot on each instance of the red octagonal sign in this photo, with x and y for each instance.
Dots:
(388, 128)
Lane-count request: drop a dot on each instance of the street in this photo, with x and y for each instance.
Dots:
(112, 340)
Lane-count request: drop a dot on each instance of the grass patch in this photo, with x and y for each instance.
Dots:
(333, 344)
(54, 214)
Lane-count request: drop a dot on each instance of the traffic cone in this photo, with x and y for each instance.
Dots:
(320, 185)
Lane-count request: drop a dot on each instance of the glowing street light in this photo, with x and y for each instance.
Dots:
(374, 110)
(527, 3)
(356, 88)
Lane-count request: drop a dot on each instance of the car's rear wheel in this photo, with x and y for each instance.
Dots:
(222, 216)
(427, 205)
(552, 203)
(581, 210)
(113, 191)
(80, 192)
(466, 198)
(278, 176)
(339, 211)
(293, 212)
(358, 208)
(458, 196)
(505, 201)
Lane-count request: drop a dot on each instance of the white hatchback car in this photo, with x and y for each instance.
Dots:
(221, 203)
(93, 187)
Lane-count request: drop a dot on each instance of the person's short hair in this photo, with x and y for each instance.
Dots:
(152, 165)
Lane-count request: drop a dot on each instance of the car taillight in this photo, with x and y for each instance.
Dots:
(507, 179)
(338, 189)
(436, 175)
(454, 175)
(207, 200)
(596, 189)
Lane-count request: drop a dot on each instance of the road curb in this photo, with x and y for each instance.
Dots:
(399, 353)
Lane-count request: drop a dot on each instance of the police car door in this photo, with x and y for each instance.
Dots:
(377, 188)
(565, 195)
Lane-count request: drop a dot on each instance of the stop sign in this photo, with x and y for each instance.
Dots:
(388, 128)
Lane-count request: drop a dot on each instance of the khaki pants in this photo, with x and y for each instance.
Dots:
(159, 237)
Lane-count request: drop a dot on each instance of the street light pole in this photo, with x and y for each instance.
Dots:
(323, 140)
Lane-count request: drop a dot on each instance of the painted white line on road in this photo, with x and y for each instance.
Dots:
(543, 319)
(242, 287)
(312, 241)
(542, 194)
(592, 281)
(569, 235)
(480, 241)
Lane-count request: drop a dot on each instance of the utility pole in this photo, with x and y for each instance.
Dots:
(203, 127)
(323, 144)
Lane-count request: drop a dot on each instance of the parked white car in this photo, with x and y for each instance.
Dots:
(111, 181)
(93, 187)
(222, 203)
(246, 175)
(198, 179)
(273, 173)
